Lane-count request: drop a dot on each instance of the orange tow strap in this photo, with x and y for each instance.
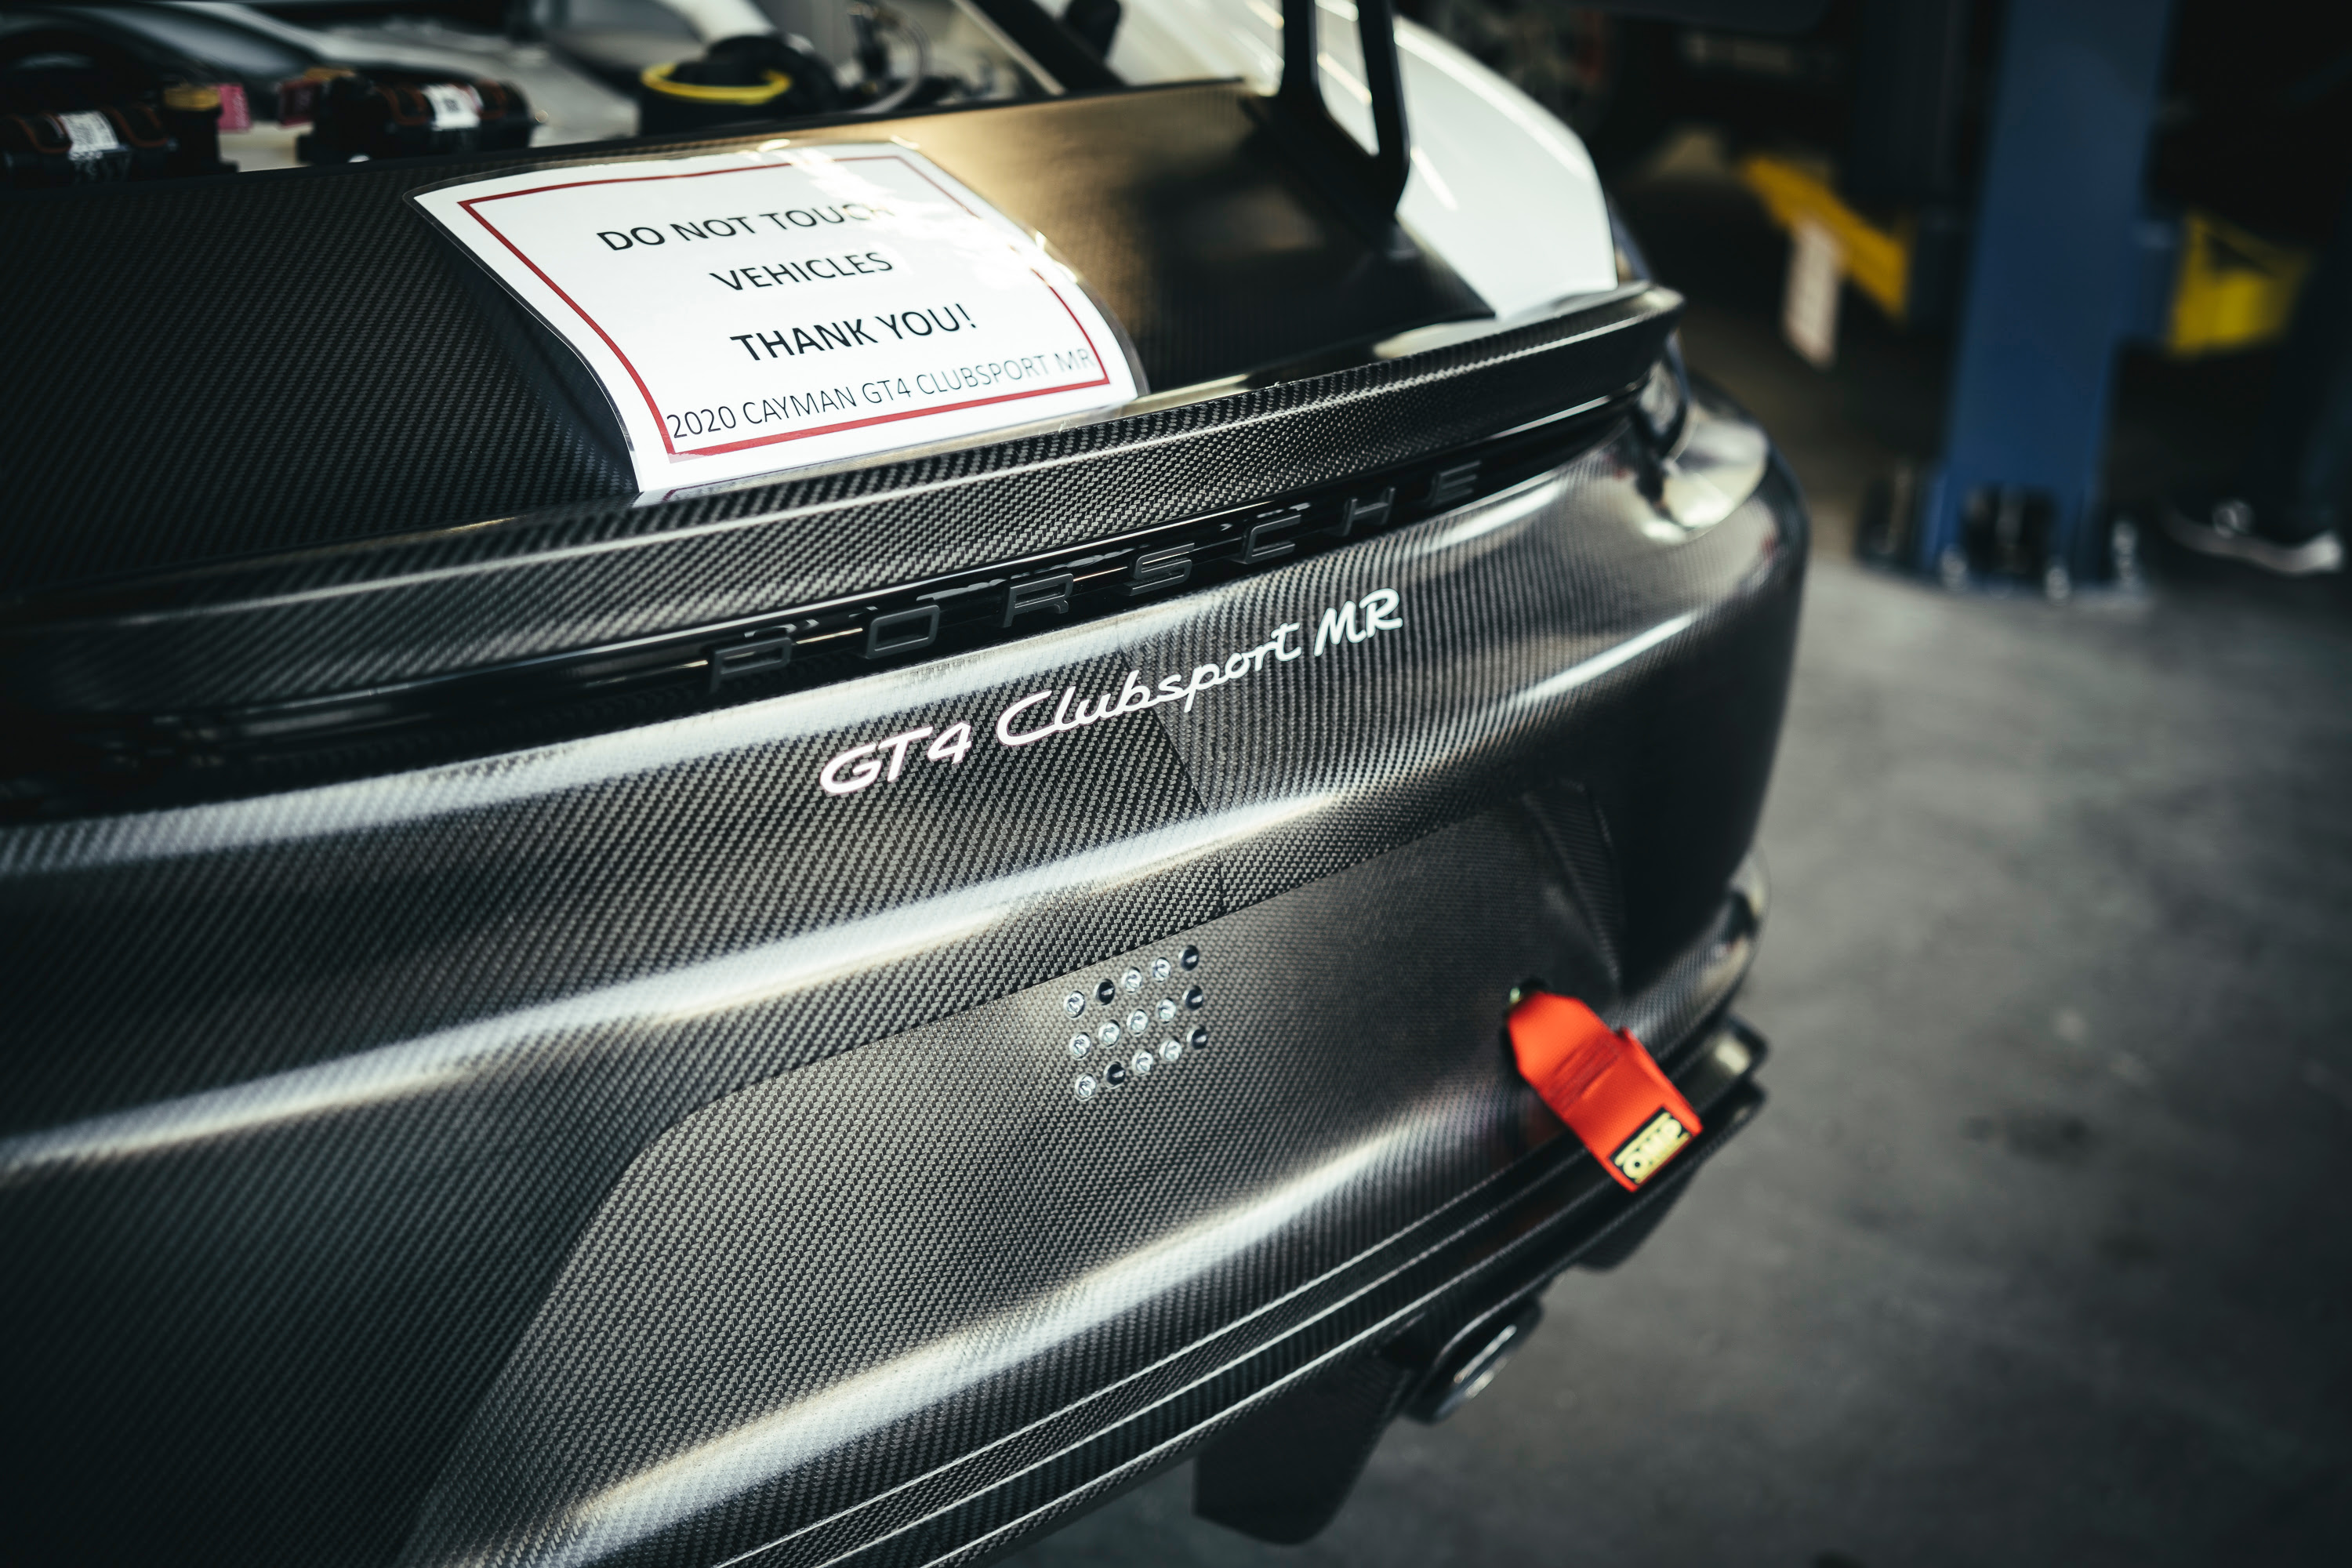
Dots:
(1603, 1085)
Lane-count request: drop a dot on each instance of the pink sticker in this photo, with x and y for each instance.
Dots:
(236, 113)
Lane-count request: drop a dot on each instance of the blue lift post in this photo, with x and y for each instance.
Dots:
(2051, 278)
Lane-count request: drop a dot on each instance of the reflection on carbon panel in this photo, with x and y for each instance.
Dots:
(829, 1288)
(1385, 740)
(384, 1047)
(341, 1074)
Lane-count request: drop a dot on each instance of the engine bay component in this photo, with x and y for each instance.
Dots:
(757, 77)
(75, 110)
(396, 115)
(121, 141)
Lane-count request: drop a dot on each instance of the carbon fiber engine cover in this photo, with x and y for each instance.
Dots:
(201, 368)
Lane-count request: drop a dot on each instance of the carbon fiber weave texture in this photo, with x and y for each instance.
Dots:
(400, 609)
(209, 367)
(704, 837)
(855, 1275)
(1035, 1293)
(386, 1047)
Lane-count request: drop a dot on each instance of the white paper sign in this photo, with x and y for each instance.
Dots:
(751, 311)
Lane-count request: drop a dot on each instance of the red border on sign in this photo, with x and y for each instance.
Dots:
(661, 423)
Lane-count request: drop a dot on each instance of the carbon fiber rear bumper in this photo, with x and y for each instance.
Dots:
(641, 1149)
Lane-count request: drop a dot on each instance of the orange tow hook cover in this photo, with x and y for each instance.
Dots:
(1603, 1085)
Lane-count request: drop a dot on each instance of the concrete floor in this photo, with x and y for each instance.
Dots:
(2042, 1252)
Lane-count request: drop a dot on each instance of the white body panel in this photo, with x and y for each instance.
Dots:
(1500, 188)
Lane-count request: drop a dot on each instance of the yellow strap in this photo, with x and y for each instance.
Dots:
(658, 78)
